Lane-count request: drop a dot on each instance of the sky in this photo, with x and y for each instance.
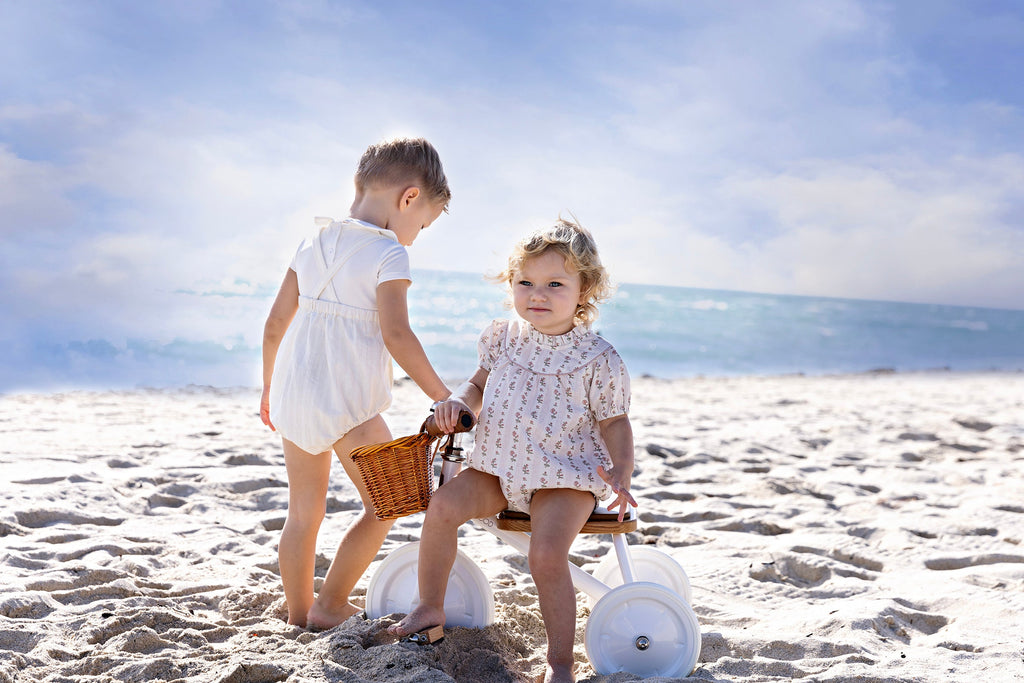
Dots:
(842, 148)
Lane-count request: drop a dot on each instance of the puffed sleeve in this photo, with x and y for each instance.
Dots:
(304, 245)
(394, 265)
(609, 386)
(491, 340)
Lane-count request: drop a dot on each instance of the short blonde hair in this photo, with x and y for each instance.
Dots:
(577, 245)
(404, 161)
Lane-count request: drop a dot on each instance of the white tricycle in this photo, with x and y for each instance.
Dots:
(640, 619)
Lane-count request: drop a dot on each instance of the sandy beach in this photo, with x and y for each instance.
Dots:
(849, 528)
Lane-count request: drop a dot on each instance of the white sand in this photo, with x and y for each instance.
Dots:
(859, 528)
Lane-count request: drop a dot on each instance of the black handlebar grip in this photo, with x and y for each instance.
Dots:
(466, 422)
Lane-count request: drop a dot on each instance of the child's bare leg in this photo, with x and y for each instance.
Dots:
(361, 541)
(308, 475)
(557, 515)
(470, 495)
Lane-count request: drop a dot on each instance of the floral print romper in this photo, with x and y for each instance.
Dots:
(538, 428)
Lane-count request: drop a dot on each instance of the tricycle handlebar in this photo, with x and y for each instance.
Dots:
(466, 422)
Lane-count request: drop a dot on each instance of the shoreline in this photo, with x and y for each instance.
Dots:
(857, 527)
(452, 381)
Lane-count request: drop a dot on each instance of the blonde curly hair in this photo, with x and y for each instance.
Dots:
(577, 245)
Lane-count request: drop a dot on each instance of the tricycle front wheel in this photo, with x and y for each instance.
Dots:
(394, 588)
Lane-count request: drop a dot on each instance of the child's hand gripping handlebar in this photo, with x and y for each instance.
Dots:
(451, 454)
(464, 423)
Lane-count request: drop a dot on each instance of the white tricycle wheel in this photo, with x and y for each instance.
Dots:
(643, 629)
(394, 589)
(651, 565)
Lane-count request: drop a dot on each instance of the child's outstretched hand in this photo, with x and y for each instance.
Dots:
(620, 486)
(265, 409)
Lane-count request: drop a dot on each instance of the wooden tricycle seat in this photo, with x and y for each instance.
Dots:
(601, 521)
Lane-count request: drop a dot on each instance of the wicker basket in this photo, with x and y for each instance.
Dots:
(399, 474)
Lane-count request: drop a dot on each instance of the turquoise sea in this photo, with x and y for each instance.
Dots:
(665, 332)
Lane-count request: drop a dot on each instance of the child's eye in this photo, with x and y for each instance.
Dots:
(524, 283)
(555, 284)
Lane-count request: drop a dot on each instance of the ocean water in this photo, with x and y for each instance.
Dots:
(673, 332)
(666, 332)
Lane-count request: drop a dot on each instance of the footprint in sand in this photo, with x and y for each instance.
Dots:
(69, 537)
(145, 629)
(21, 640)
(273, 523)
(904, 624)
(665, 451)
(892, 619)
(141, 640)
(100, 550)
(39, 481)
(121, 464)
(162, 500)
(847, 563)
(31, 604)
(253, 671)
(922, 533)
(669, 494)
(36, 519)
(156, 445)
(71, 578)
(249, 459)
(792, 487)
(792, 570)
(250, 485)
(953, 563)
(335, 504)
(757, 526)
(965, 447)
(714, 646)
(797, 569)
(918, 436)
(246, 604)
(973, 424)
(20, 560)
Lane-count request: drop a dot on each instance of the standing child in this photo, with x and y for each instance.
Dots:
(327, 374)
(553, 437)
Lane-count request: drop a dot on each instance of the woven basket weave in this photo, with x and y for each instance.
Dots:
(399, 474)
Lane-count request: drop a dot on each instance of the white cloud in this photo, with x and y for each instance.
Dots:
(776, 149)
(31, 194)
(895, 230)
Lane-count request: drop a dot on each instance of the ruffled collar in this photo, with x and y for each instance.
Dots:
(552, 354)
(554, 341)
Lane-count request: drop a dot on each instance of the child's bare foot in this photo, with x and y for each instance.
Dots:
(320, 618)
(424, 616)
(559, 673)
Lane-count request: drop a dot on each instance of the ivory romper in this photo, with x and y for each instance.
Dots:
(538, 428)
(333, 371)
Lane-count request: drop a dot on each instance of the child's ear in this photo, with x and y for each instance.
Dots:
(409, 195)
